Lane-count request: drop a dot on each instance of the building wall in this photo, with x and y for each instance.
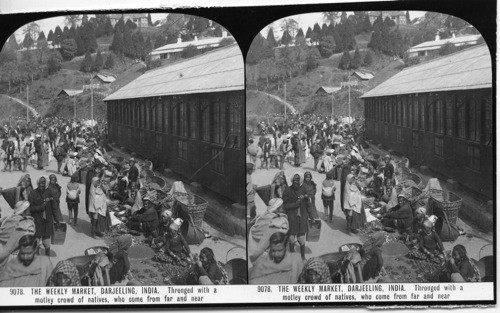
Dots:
(199, 136)
(451, 132)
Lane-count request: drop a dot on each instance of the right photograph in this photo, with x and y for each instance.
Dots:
(370, 150)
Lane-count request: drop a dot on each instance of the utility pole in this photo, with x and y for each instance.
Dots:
(27, 102)
(285, 101)
(91, 102)
(74, 107)
(349, 81)
(332, 104)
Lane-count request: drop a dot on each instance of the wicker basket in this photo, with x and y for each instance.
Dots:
(264, 193)
(159, 181)
(450, 205)
(416, 179)
(195, 206)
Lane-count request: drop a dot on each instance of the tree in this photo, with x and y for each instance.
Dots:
(86, 65)
(42, 51)
(7, 55)
(309, 32)
(28, 41)
(218, 30)
(72, 20)
(448, 48)
(286, 39)
(324, 30)
(378, 22)
(131, 25)
(376, 40)
(98, 63)
(50, 37)
(300, 33)
(259, 50)
(330, 17)
(9, 71)
(150, 22)
(388, 22)
(117, 44)
(85, 19)
(367, 25)
(128, 43)
(13, 42)
(356, 60)
(110, 62)
(270, 38)
(343, 17)
(339, 46)
(65, 33)
(160, 41)
(368, 60)
(54, 62)
(41, 36)
(316, 33)
(226, 42)
(32, 29)
(68, 49)
(345, 60)
(312, 59)
(346, 32)
(189, 52)
(408, 20)
(108, 27)
(148, 45)
(289, 25)
(57, 36)
(326, 46)
(80, 47)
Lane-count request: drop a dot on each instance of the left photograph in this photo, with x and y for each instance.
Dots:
(122, 140)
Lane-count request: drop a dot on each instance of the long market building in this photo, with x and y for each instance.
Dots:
(439, 114)
(188, 116)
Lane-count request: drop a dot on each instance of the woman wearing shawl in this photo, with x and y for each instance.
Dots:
(372, 261)
(13, 228)
(461, 267)
(278, 185)
(209, 271)
(310, 189)
(64, 274)
(56, 195)
(98, 209)
(295, 206)
(45, 153)
(24, 188)
(315, 272)
(273, 220)
(353, 205)
(73, 199)
(43, 212)
(118, 254)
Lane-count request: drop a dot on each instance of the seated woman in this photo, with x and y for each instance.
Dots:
(118, 255)
(64, 274)
(209, 272)
(418, 225)
(273, 220)
(315, 272)
(372, 260)
(399, 217)
(146, 219)
(461, 267)
(175, 245)
(430, 243)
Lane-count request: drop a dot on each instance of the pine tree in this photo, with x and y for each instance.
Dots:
(388, 22)
(345, 61)
(80, 48)
(378, 22)
(86, 65)
(316, 33)
(331, 30)
(346, 33)
(286, 39)
(300, 33)
(385, 40)
(326, 46)
(57, 36)
(150, 22)
(367, 25)
(270, 38)
(41, 36)
(339, 46)
(98, 62)
(309, 32)
(160, 41)
(356, 60)
(257, 53)
(50, 37)
(324, 30)
(148, 46)
(110, 62)
(376, 40)
(65, 33)
(128, 44)
(130, 24)
(119, 25)
(54, 63)
(68, 49)
(368, 60)
(85, 19)
(108, 27)
(117, 45)
(13, 42)
(28, 41)
(408, 21)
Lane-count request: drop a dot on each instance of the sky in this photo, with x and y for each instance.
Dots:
(309, 19)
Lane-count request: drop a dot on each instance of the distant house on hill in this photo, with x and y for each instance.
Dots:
(327, 90)
(105, 78)
(140, 19)
(399, 17)
(426, 48)
(173, 51)
(362, 75)
(69, 92)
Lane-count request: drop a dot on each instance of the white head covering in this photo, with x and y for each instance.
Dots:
(421, 210)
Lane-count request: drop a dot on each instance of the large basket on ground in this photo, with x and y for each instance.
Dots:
(264, 193)
(158, 181)
(194, 205)
(416, 179)
(449, 205)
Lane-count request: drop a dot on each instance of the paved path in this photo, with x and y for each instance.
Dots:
(32, 109)
(290, 107)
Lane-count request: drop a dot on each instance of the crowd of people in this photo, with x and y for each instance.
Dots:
(115, 193)
(369, 185)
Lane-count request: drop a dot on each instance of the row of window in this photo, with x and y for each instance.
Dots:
(213, 119)
(453, 114)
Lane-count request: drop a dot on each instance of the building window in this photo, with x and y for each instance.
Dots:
(235, 109)
(166, 111)
(219, 121)
(399, 135)
(473, 157)
(488, 121)
(183, 121)
(422, 114)
(175, 117)
(461, 118)
(182, 149)
(218, 160)
(450, 116)
(158, 144)
(439, 120)
(159, 116)
(193, 118)
(438, 146)
(205, 120)
(415, 140)
(474, 116)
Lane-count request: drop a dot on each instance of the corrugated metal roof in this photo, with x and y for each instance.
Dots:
(329, 90)
(463, 70)
(363, 75)
(436, 44)
(214, 71)
(179, 46)
(71, 92)
(132, 15)
(105, 78)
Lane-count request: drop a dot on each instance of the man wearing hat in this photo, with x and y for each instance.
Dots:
(316, 152)
(60, 155)
(39, 150)
(146, 219)
(388, 168)
(133, 173)
(13, 228)
(400, 217)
